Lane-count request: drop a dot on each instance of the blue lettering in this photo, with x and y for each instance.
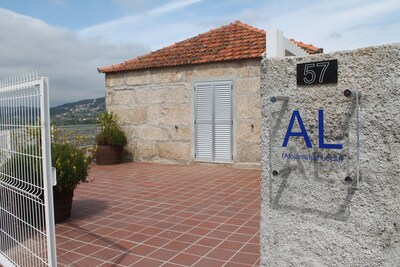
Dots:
(303, 132)
(321, 133)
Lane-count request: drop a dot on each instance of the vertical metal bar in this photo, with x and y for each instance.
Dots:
(48, 186)
(195, 123)
(231, 118)
(357, 140)
(213, 121)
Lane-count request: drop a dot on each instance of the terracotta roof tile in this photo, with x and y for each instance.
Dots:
(232, 42)
(308, 47)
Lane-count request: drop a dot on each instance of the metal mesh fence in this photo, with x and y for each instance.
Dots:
(24, 165)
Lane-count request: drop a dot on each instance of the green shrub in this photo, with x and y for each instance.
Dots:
(71, 164)
(111, 137)
(25, 168)
(110, 133)
(21, 173)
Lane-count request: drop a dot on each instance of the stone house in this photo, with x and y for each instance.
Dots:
(196, 100)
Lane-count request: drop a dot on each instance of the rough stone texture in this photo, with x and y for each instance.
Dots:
(152, 103)
(249, 152)
(248, 106)
(249, 131)
(328, 222)
(136, 115)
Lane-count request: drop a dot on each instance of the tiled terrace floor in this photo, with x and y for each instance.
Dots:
(143, 214)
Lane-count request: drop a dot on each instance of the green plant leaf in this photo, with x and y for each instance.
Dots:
(108, 120)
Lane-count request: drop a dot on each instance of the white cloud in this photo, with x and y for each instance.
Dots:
(70, 61)
(341, 24)
(57, 2)
(332, 25)
(132, 28)
(111, 27)
(253, 16)
(171, 6)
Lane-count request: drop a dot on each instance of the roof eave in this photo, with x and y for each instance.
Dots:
(103, 70)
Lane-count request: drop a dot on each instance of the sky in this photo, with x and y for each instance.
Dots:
(67, 40)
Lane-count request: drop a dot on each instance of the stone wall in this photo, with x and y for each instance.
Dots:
(152, 103)
(309, 221)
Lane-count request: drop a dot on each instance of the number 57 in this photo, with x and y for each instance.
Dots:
(310, 74)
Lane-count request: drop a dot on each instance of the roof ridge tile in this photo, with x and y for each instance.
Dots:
(249, 27)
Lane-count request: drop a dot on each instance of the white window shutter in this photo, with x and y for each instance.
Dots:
(223, 122)
(213, 121)
(204, 122)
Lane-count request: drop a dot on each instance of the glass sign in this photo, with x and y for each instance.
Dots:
(314, 151)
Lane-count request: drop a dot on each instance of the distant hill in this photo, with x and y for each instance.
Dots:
(81, 112)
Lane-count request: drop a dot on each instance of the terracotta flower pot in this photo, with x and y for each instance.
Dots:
(62, 205)
(109, 155)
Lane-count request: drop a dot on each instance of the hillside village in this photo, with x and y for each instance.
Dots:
(77, 113)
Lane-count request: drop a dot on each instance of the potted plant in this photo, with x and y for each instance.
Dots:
(110, 140)
(72, 167)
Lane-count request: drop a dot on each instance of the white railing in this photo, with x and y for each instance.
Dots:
(27, 229)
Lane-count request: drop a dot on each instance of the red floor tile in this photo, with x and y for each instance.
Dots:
(142, 214)
(169, 234)
(106, 254)
(145, 262)
(156, 241)
(251, 248)
(207, 262)
(185, 259)
(89, 249)
(177, 246)
(88, 261)
(230, 245)
(126, 259)
(142, 250)
(200, 231)
(162, 254)
(188, 238)
(197, 250)
(219, 234)
(209, 242)
(221, 254)
(244, 258)
(169, 264)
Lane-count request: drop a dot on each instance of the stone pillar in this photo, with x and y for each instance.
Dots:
(313, 213)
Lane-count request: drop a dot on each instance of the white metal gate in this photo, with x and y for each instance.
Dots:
(213, 121)
(27, 230)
